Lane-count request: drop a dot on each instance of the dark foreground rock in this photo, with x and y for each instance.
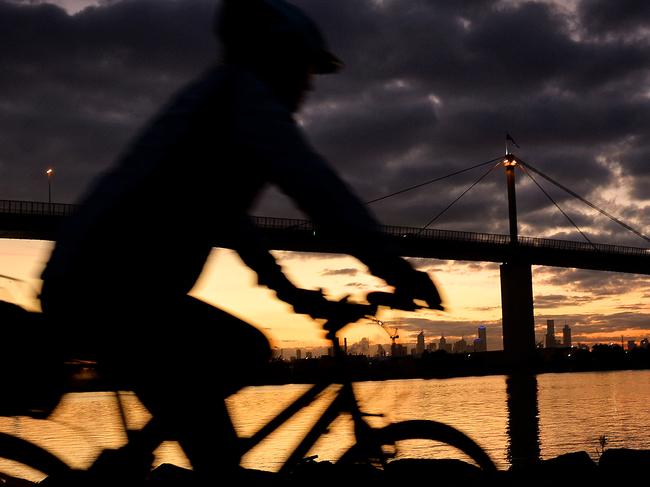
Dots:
(571, 469)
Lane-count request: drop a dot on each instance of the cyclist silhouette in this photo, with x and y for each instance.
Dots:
(118, 279)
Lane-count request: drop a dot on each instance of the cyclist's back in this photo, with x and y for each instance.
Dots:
(148, 225)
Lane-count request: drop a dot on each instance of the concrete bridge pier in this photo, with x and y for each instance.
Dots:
(517, 312)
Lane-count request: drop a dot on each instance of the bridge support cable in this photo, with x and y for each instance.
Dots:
(416, 186)
(459, 197)
(410, 188)
(523, 168)
(585, 201)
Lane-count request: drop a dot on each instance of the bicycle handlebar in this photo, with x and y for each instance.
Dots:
(344, 312)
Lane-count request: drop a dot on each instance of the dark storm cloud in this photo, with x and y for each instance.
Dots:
(626, 17)
(76, 88)
(601, 325)
(596, 284)
(551, 301)
(491, 70)
(430, 87)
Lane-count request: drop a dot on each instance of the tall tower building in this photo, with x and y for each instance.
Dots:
(566, 335)
(419, 347)
(481, 345)
(443, 343)
(550, 334)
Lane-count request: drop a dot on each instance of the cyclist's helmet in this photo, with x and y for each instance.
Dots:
(272, 32)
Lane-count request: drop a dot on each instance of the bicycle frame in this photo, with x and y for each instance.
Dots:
(344, 402)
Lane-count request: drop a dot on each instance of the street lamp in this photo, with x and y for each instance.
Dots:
(50, 173)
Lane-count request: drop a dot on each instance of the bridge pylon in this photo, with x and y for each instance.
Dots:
(517, 310)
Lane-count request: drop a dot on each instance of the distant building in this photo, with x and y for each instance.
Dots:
(443, 345)
(480, 344)
(550, 334)
(566, 335)
(431, 347)
(460, 346)
(644, 343)
(362, 347)
(419, 347)
(380, 351)
(398, 350)
(298, 354)
(631, 344)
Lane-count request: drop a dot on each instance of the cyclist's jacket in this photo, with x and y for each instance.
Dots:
(187, 182)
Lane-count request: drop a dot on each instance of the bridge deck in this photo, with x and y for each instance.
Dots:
(38, 220)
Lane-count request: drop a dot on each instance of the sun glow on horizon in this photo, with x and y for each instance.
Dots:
(597, 306)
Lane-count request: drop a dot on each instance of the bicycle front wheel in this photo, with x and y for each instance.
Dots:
(30, 455)
(419, 430)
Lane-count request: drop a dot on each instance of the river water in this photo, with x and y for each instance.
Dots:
(547, 415)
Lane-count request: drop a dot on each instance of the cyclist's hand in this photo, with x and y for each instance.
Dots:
(418, 285)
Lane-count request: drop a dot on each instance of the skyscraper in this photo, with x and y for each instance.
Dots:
(419, 347)
(550, 334)
(566, 335)
(480, 345)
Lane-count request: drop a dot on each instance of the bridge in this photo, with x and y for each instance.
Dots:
(40, 221)
(515, 253)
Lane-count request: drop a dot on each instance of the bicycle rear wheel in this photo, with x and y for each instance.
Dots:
(30, 455)
(419, 430)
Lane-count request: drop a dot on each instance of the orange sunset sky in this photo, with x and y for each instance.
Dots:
(471, 291)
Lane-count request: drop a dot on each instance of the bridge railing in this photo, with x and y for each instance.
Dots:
(548, 243)
(288, 224)
(469, 237)
(273, 223)
(14, 207)
(504, 240)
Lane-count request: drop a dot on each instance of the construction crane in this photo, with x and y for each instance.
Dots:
(393, 336)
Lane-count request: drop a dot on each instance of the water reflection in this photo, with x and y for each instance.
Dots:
(524, 447)
(517, 419)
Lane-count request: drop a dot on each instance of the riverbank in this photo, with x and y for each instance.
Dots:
(444, 365)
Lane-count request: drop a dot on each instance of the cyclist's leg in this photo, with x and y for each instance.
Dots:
(202, 357)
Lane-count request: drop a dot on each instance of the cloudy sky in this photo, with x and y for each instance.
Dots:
(430, 87)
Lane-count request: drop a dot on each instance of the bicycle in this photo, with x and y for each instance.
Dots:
(367, 450)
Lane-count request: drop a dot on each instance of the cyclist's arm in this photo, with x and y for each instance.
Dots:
(251, 248)
(271, 141)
